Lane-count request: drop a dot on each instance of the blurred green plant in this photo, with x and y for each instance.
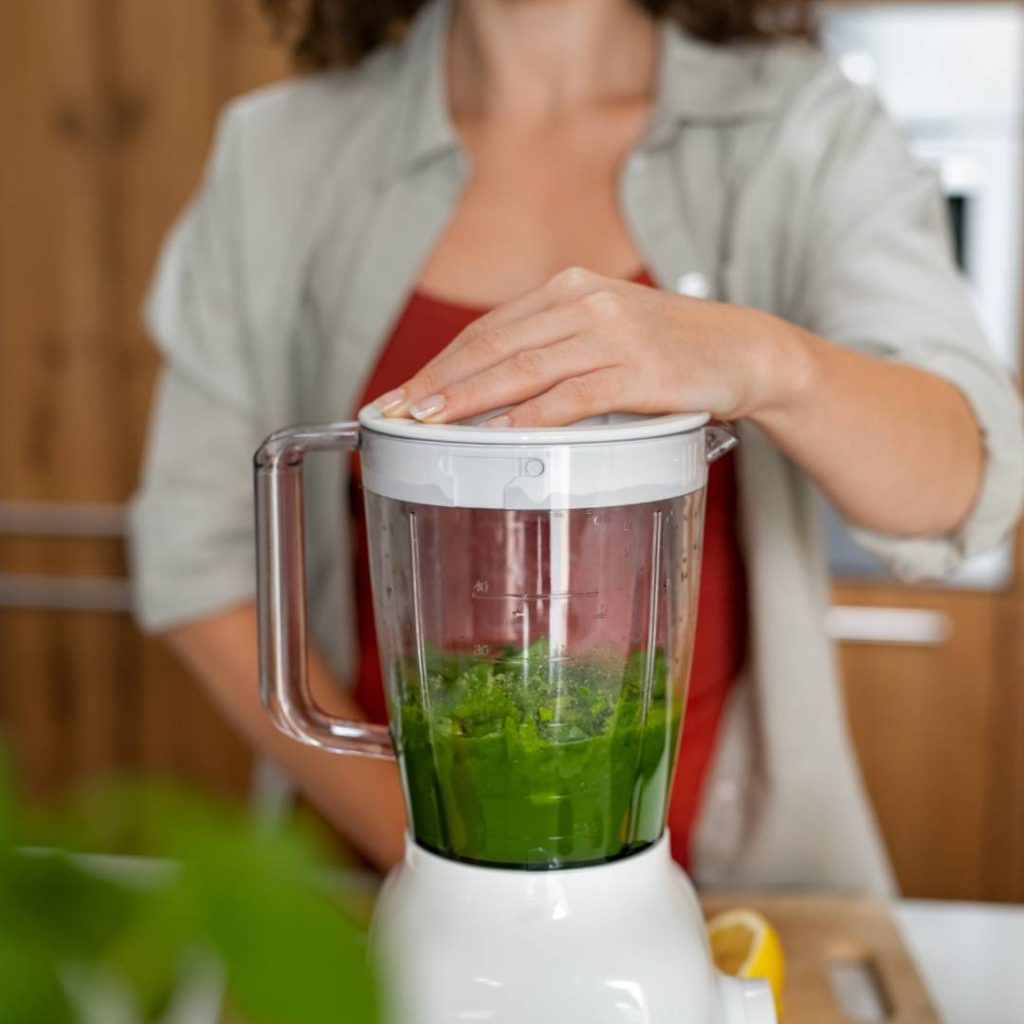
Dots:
(235, 924)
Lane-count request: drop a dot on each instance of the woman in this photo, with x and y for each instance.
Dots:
(608, 205)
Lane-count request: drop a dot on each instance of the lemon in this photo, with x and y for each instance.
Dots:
(744, 944)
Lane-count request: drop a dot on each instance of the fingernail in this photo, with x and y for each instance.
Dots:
(390, 400)
(427, 407)
(499, 421)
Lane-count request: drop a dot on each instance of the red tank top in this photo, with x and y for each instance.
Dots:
(422, 331)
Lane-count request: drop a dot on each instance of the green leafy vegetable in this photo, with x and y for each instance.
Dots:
(236, 905)
(531, 759)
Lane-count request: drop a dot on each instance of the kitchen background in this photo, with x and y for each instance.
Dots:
(106, 114)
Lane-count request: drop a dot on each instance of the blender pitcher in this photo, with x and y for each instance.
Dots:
(535, 593)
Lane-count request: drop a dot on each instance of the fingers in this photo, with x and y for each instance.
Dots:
(565, 286)
(431, 390)
(526, 373)
(496, 336)
(591, 394)
(508, 312)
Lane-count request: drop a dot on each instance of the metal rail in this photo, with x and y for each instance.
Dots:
(58, 520)
(62, 519)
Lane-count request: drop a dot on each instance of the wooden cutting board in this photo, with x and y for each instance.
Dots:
(827, 934)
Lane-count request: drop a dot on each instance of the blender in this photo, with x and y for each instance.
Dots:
(535, 593)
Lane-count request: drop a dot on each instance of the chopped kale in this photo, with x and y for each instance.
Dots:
(529, 758)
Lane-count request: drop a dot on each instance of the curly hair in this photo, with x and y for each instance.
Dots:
(324, 33)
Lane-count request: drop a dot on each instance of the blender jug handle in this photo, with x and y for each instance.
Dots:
(719, 438)
(281, 587)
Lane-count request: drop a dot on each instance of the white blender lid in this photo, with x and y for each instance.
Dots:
(610, 460)
(614, 426)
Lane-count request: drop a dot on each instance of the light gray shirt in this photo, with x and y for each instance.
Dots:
(779, 183)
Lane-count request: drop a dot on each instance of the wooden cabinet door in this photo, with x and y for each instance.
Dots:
(925, 722)
(107, 109)
(1004, 876)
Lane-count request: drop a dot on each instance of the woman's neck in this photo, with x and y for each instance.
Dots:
(541, 59)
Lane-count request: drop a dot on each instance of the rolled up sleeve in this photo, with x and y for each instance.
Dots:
(879, 277)
(191, 529)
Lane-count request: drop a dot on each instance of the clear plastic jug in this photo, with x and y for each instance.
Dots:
(535, 594)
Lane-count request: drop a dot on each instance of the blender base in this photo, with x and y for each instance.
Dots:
(617, 943)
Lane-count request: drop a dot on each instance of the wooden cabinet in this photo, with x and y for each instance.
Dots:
(924, 718)
(1005, 863)
(939, 729)
(106, 113)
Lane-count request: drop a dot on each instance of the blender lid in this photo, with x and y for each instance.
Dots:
(611, 427)
(613, 460)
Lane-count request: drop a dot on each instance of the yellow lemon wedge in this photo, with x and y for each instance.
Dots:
(744, 944)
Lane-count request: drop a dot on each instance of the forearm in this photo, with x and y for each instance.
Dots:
(897, 449)
(361, 797)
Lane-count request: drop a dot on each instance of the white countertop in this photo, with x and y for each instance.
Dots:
(971, 956)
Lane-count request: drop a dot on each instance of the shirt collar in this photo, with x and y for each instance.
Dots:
(423, 128)
(697, 82)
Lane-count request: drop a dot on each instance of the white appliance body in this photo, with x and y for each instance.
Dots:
(618, 943)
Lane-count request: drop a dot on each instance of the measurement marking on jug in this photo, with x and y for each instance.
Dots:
(534, 597)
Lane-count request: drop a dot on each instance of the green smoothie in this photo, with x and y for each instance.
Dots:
(524, 761)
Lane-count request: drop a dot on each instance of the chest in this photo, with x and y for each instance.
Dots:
(678, 210)
(537, 199)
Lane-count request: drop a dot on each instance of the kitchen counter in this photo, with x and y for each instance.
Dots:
(906, 962)
(971, 956)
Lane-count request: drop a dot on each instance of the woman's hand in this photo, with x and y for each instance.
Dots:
(583, 345)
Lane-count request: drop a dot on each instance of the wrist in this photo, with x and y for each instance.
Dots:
(784, 368)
